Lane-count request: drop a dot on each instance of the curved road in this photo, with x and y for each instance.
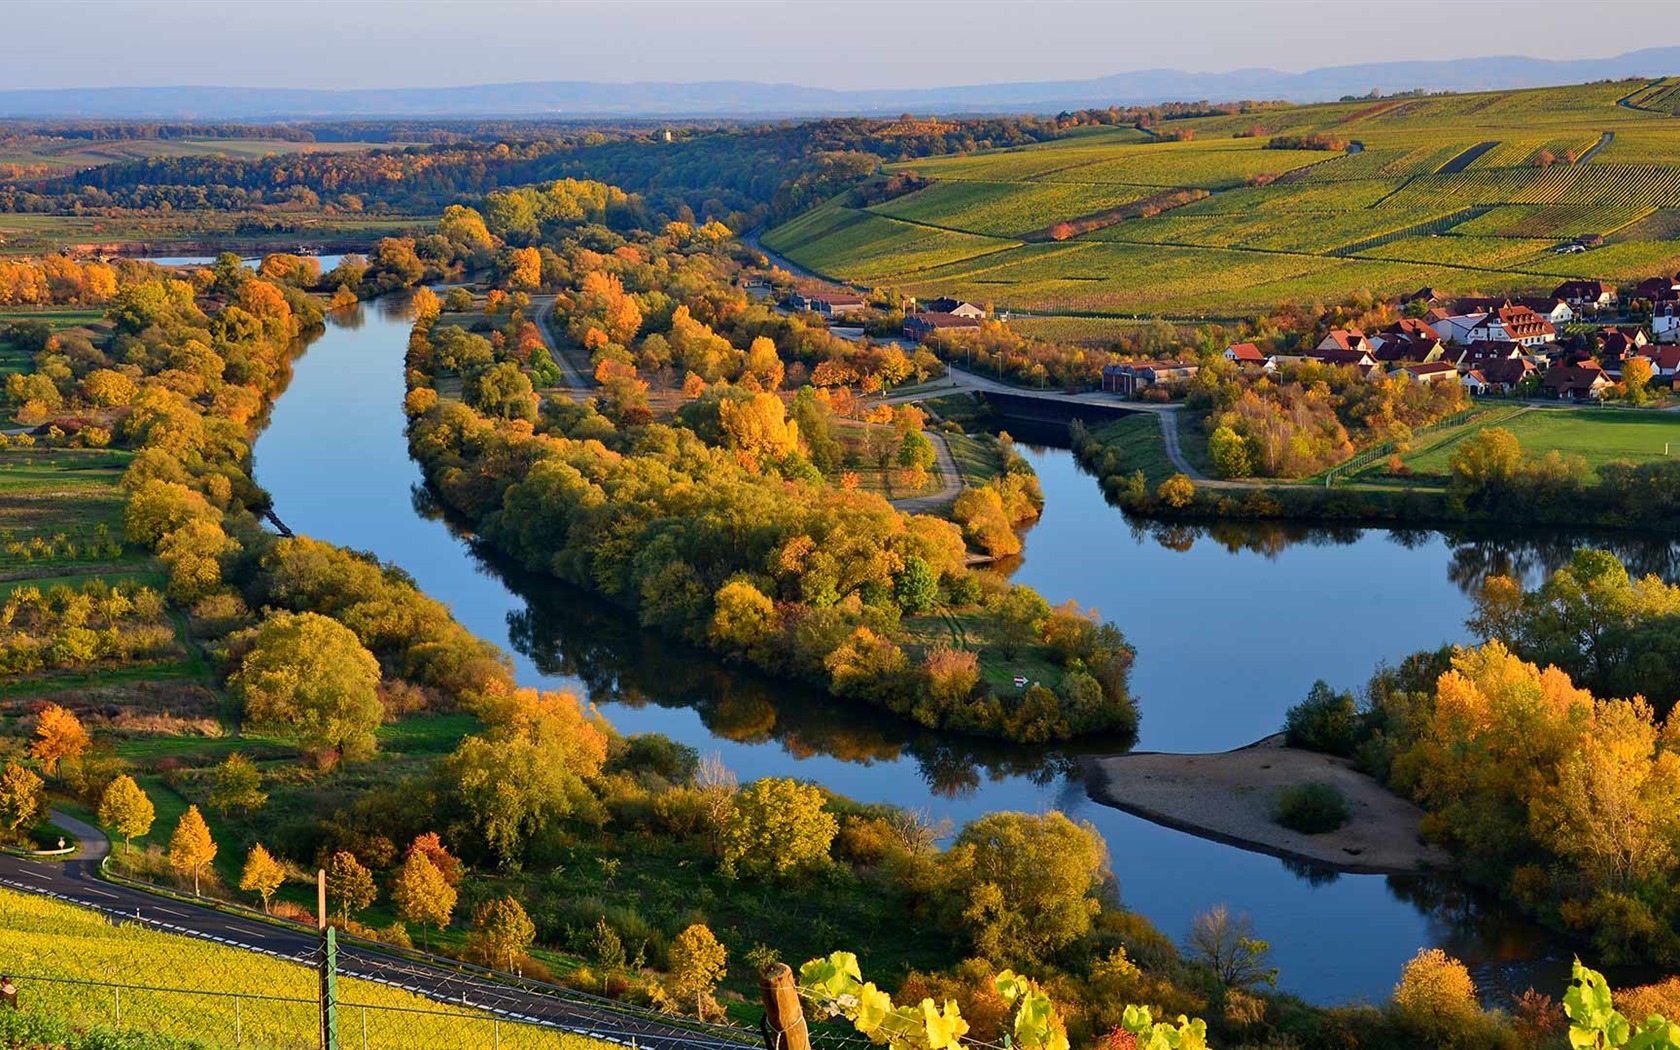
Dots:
(76, 880)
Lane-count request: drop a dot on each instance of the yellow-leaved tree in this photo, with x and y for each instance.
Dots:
(126, 809)
(262, 875)
(191, 849)
(58, 735)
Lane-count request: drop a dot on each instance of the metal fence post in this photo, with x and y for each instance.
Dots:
(364, 1028)
(117, 992)
(238, 1021)
(329, 989)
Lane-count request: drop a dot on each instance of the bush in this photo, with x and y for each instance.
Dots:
(1311, 809)
(1325, 721)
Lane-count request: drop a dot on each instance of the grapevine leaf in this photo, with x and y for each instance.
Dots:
(874, 1006)
(834, 978)
(1137, 1020)
(1009, 985)
(946, 1028)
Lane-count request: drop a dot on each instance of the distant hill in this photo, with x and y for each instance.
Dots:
(743, 98)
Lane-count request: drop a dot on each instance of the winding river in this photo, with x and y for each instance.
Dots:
(1231, 629)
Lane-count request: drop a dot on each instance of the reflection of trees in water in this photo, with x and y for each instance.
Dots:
(1530, 555)
(568, 632)
(353, 317)
(1533, 556)
(1310, 873)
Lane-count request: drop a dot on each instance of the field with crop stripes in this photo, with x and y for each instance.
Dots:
(218, 991)
(1468, 193)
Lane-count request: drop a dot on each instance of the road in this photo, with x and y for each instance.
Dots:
(950, 480)
(576, 384)
(77, 881)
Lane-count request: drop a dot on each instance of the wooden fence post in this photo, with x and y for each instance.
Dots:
(784, 1017)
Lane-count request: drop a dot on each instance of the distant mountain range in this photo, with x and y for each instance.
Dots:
(734, 98)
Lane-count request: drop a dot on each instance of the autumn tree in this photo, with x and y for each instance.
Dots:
(236, 784)
(445, 862)
(191, 848)
(22, 801)
(262, 875)
(422, 893)
(58, 735)
(758, 429)
(698, 963)
(349, 883)
(1636, 377)
(1435, 986)
(125, 808)
(307, 675)
(527, 772)
(502, 933)
(778, 828)
(1026, 885)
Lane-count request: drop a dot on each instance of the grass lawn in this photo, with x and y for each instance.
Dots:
(977, 458)
(1135, 443)
(1598, 435)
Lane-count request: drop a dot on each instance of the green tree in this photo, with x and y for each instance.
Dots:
(501, 933)
(126, 809)
(915, 451)
(308, 675)
(917, 587)
(1026, 885)
(191, 848)
(698, 963)
(501, 390)
(350, 883)
(778, 828)
(422, 893)
(237, 785)
(22, 802)
(262, 875)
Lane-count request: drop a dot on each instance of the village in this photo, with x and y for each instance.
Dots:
(1570, 345)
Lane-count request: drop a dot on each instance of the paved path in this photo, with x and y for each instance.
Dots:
(77, 881)
(951, 481)
(577, 385)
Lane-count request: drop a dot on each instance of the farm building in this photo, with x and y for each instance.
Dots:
(829, 304)
(954, 307)
(1132, 377)
(920, 326)
(1248, 357)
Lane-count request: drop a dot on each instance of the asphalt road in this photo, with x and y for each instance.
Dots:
(76, 880)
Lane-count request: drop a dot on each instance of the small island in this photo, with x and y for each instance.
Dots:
(1229, 797)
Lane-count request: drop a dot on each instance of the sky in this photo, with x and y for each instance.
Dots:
(817, 43)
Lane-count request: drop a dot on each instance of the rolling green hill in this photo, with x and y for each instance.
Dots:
(1468, 193)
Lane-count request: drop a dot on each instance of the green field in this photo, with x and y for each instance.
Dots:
(1468, 193)
(1598, 435)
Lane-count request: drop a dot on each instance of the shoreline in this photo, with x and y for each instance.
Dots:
(1226, 797)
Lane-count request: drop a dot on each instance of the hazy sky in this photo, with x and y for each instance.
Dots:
(833, 43)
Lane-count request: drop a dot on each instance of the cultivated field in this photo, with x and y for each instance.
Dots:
(1598, 435)
(1468, 193)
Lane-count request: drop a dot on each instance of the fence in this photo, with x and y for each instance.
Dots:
(1376, 452)
(98, 969)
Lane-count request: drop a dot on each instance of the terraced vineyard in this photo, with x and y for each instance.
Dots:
(1468, 193)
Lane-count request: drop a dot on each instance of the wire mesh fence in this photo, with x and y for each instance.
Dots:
(101, 969)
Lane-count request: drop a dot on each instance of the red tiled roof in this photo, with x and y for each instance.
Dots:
(1246, 352)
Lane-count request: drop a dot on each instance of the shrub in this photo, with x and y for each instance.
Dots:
(1311, 809)
(1325, 721)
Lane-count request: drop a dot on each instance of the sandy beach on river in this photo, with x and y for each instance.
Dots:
(1228, 796)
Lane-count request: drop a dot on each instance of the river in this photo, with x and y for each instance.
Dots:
(1230, 632)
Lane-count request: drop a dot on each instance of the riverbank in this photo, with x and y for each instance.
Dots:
(1228, 797)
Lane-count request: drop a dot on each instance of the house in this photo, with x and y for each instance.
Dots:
(1407, 340)
(1592, 295)
(1656, 288)
(1582, 382)
(1456, 328)
(1665, 322)
(1517, 324)
(1130, 378)
(829, 304)
(1665, 360)
(919, 326)
(1362, 359)
(1474, 382)
(1432, 372)
(1486, 352)
(955, 307)
(1345, 339)
(1550, 308)
(1422, 295)
(1506, 376)
(1248, 357)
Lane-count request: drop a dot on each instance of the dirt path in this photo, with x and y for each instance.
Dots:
(1169, 435)
(1228, 797)
(951, 481)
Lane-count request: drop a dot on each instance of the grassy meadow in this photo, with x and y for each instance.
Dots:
(1468, 193)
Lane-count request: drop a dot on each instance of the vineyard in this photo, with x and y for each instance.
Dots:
(75, 964)
(1467, 193)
